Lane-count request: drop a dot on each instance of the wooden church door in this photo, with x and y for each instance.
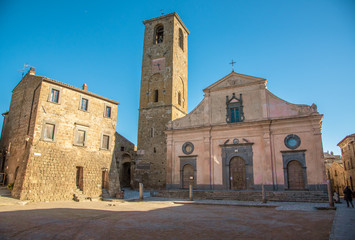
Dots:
(295, 175)
(237, 174)
(188, 176)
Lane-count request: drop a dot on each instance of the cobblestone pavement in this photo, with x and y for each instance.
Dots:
(159, 218)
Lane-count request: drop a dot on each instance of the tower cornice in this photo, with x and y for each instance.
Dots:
(167, 16)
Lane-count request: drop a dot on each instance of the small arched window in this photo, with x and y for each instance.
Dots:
(179, 98)
(158, 34)
(181, 39)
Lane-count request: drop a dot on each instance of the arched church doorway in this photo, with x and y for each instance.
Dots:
(237, 174)
(126, 174)
(187, 176)
(295, 175)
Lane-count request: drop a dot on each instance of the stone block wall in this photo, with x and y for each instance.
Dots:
(164, 71)
(48, 167)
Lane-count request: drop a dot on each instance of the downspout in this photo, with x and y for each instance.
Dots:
(210, 140)
(210, 156)
(272, 158)
(271, 145)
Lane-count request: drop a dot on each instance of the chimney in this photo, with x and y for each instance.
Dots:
(85, 87)
(32, 71)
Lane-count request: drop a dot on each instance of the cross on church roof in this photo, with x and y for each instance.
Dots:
(161, 11)
(232, 65)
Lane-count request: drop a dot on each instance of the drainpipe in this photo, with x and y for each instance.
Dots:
(272, 158)
(210, 156)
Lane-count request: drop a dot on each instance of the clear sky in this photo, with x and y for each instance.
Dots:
(305, 48)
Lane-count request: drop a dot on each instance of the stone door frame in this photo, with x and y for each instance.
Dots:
(184, 160)
(243, 150)
(299, 156)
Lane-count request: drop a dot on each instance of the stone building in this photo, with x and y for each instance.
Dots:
(58, 141)
(125, 155)
(163, 94)
(335, 171)
(241, 137)
(347, 146)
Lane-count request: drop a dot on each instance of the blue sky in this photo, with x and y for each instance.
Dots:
(305, 48)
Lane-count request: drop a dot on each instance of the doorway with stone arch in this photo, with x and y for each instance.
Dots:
(237, 174)
(125, 171)
(295, 176)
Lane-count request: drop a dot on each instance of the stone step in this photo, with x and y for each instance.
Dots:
(284, 196)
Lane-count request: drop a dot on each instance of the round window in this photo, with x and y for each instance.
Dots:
(292, 141)
(188, 148)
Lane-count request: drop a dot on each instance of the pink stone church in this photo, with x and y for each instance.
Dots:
(241, 136)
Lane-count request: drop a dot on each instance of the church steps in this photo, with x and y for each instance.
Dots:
(277, 196)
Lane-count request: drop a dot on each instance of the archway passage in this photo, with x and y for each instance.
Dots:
(188, 176)
(295, 176)
(126, 175)
(237, 174)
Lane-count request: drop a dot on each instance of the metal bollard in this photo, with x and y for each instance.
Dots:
(191, 193)
(140, 191)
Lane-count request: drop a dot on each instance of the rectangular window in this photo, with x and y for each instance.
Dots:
(54, 95)
(49, 131)
(152, 132)
(234, 114)
(108, 111)
(105, 142)
(84, 104)
(80, 137)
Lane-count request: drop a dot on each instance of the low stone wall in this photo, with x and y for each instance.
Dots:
(281, 196)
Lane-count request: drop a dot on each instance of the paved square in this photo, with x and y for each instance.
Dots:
(159, 220)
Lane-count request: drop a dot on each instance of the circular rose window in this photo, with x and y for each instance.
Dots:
(187, 148)
(292, 141)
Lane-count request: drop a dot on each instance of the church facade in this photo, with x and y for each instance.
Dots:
(59, 140)
(241, 137)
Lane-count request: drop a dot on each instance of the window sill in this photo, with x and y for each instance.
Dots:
(104, 149)
(79, 145)
(48, 140)
(58, 103)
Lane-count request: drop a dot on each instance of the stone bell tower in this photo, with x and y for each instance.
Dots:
(163, 95)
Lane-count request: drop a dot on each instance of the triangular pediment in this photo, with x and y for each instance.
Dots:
(233, 80)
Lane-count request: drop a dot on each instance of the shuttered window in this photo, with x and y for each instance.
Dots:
(105, 141)
(49, 131)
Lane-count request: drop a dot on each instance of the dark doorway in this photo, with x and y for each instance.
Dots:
(126, 174)
(295, 176)
(188, 176)
(237, 174)
(105, 183)
(80, 178)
